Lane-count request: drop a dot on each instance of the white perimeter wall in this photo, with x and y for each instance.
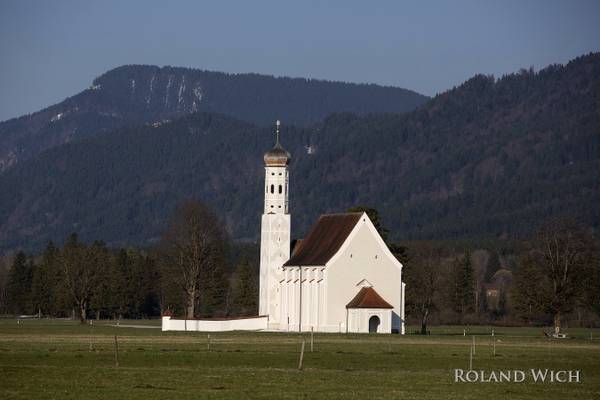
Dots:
(203, 325)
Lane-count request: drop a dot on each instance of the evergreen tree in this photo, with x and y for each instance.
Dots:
(44, 282)
(399, 251)
(464, 285)
(147, 303)
(592, 283)
(526, 290)
(19, 284)
(245, 290)
(122, 283)
(213, 292)
(374, 217)
(493, 265)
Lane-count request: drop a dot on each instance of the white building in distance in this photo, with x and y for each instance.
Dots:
(341, 278)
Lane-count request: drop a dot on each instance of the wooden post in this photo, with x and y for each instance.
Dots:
(473, 337)
(116, 352)
(91, 342)
(301, 354)
(471, 359)
(494, 347)
(312, 334)
(208, 342)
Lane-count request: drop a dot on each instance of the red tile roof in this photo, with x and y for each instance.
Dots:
(324, 240)
(368, 298)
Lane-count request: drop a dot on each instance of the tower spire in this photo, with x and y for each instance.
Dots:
(277, 156)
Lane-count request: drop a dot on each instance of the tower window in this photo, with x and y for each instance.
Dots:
(272, 188)
(280, 189)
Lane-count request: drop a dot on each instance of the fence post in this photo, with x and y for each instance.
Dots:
(471, 359)
(301, 354)
(116, 352)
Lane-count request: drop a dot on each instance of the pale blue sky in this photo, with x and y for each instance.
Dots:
(53, 49)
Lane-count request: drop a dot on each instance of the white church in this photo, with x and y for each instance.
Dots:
(340, 278)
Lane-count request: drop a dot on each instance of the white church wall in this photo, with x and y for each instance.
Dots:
(363, 256)
(312, 289)
(203, 325)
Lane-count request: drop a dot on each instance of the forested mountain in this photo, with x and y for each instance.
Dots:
(490, 158)
(137, 94)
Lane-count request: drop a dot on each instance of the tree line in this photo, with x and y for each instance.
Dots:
(189, 272)
(194, 271)
(550, 279)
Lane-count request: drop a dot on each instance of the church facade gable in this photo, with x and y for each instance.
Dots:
(364, 256)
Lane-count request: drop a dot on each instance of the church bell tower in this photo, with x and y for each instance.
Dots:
(275, 230)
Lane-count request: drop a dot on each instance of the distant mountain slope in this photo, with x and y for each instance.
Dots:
(488, 158)
(138, 94)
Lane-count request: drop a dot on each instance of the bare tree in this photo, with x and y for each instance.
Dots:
(428, 277)
(551, 276)
(424, 275)
(191, 247)
(81, 268)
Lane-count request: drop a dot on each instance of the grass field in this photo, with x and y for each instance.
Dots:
(64, 360)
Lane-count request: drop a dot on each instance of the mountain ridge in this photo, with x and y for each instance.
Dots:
(140, 94)
(488, 158)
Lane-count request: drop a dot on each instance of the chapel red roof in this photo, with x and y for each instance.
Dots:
(324, 240)
(367, 297)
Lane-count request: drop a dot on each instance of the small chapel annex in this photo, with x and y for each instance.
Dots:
(340, 278)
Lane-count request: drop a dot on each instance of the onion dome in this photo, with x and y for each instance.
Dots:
(277, 156)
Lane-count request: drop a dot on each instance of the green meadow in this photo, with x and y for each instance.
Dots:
(48, 359)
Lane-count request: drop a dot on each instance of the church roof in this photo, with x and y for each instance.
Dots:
(277, 156)
(367, 297)
(324, 239)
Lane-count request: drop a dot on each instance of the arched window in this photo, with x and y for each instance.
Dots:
(280, 189)
(272, 188)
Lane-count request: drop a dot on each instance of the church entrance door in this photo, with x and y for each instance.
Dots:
(374, 324)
